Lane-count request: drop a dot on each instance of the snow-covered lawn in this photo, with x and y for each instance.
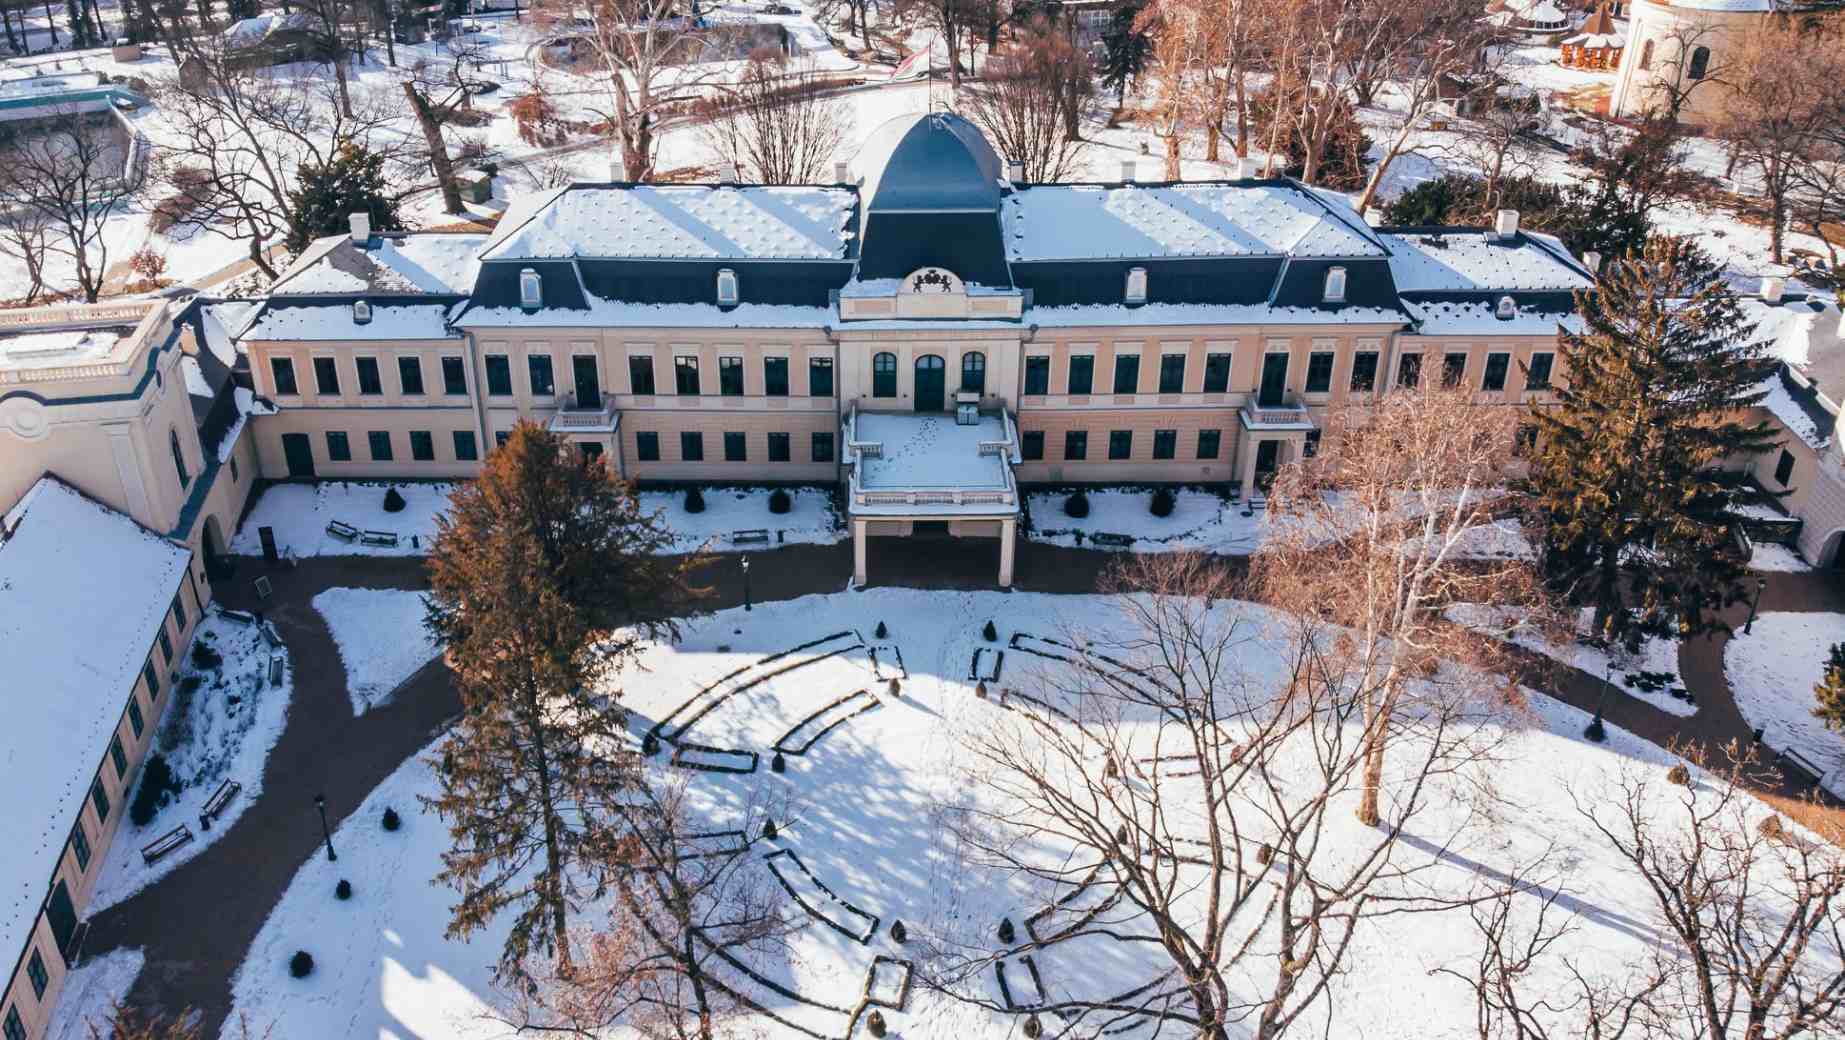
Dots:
(809, 520)
(91, 993)
(221, 728)
(1772, 670)
(1649, 675)
(381, 640)
(1770, 557)
(861, 821)
(1199, 520)
(300, 514)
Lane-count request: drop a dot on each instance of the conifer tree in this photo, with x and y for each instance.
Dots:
(545, 577)
(1624, 472)
(1830, 691)
(353, 181)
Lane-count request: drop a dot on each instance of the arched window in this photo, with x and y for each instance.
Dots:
(1700, 63)
(179, 458)
(974, 372)
(1646, 55)
(884, 375)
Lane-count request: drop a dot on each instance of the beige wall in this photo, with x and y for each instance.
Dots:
(1815, 492)
(1674, 32)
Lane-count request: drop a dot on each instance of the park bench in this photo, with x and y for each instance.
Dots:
(1119, 541)
(378, 538)
(345, 532)
(276, 666)
(755, 536)
(173, 839)
(1793, 761)
(219, 800)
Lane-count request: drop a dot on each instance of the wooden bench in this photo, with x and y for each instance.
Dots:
(1119, 541)
(173, 839)
(1793, 761)
(219, 800)
(345, 532)
(276, 667)
(756, 536)
(378, 538)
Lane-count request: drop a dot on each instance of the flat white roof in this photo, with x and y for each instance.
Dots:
(927, 452)
(1086, 222)
(83, 593)
(683, 222)
(57, 348)
(1474, 261)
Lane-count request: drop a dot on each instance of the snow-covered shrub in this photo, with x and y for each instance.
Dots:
(301, 965)
(1077, 505)
(391, 820)
(1162, 503)
(989, 633)
(343, 890)
(694, 501)
(157, 784)
(393, 502)
(779, 502)
(205, 657)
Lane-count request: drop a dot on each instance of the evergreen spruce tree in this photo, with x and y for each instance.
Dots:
(1830, 692)
(327, 195)
(1624, 472)
(544, 578)
(1124, 51)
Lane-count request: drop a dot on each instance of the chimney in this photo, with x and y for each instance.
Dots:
(361, 227)
(727, 173)
(1015, 171)
(1593, 261)
(1772, 288)
(1505, 225)
(842, 172)
(1127, 171)
(1237, 170)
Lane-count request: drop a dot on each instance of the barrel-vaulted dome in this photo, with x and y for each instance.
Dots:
(929, 162)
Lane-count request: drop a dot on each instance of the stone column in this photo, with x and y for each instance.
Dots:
(1008, 534)
(858, 553)
(1248, 475)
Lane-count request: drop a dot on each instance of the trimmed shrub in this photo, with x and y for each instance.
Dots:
(391, 820)
(393, 502)
(205, 658)
(989, 633)
(1162, 503)
(158, 784)
(301, 965)
(1006, 932)
(898, 932)
(694, 500)
(896, 688)
(882, 632)
(1679, 775)
(1077, 505)
(768, 830)
(343, 890)
(779, 502)
(874, 1023)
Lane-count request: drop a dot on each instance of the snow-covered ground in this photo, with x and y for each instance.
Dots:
(809, 520)
(1649, 675)
(861, 821)
(223, 729)
(300, 514)
(1772, 670)
(380, 637)
(1199, 521)
(1770, 557)
(86, 1005)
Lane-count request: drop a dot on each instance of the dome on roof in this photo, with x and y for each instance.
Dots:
(928, 162)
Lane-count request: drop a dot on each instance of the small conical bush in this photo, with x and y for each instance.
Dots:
(1006, 931)
(882, 632)
(990, 633)
(778, 764)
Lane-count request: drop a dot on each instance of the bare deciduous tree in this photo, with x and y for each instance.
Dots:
(74, 172)
(1782, 101)
(776, 127)
(25, 235)
(1031, 99)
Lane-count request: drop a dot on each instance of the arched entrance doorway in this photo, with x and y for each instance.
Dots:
(931, 376)
(217, 561)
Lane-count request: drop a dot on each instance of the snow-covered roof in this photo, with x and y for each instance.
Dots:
(1268, 218)
(70, 668)
(1481, 318)
(220, 322)
(1795, 332)
(683, 222)
(248, 32)
(1207, 314)
(619, 314)
(332, 320)
(57, 348)
(1477, 261)
(1720, 5)
(390, 264)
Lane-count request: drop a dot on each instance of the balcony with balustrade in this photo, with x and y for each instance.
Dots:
(591, 417)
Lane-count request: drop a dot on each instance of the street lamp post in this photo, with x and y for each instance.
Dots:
(1761, 585)
(746, 583)
(1596, 731)
(320, 802)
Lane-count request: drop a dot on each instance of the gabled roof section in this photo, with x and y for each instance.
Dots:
(682, 222)
(323, 318)
(1194, 219)
(387, 264)
(1459, 260)
(933, 162)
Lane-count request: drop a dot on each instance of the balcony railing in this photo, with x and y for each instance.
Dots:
(1285, 413)
(572, 416)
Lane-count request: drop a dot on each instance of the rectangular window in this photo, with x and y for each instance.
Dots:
(820, 377)
(1496, 366)
(379, 442)
(1364, 370)
(153, 680)
(823, 447)
(371, 384)
(339, 449)
(1319, 372)
(410, 375)
(730, 376)
(499, 375)
(166, 646)
(1165, 444)
(691, 446)
(647, 446)
(1075, 445)
(80, 845)
(326, 376)
(1537, 374)
(538, 373)
(1784, 468)
(500, 437)
(1216, 373)
(179, 615)
(1524, 440)
(1120, 444)
(100, 799)
(1031, 445)
(1038, 375)
(117, 757)
(422, 446)
(35, 970)
(736, 448)
(685, 375)
(1409, 370)
(775, 376)
(1172, 373)
(454, 377)
(14, 1028)
(1453, 367)
(135, 720)
(1311, 446)
(1209, 443)
(640, 375)
(778, 447)
(1082, 374)
(465, 448)
(1127, 373)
